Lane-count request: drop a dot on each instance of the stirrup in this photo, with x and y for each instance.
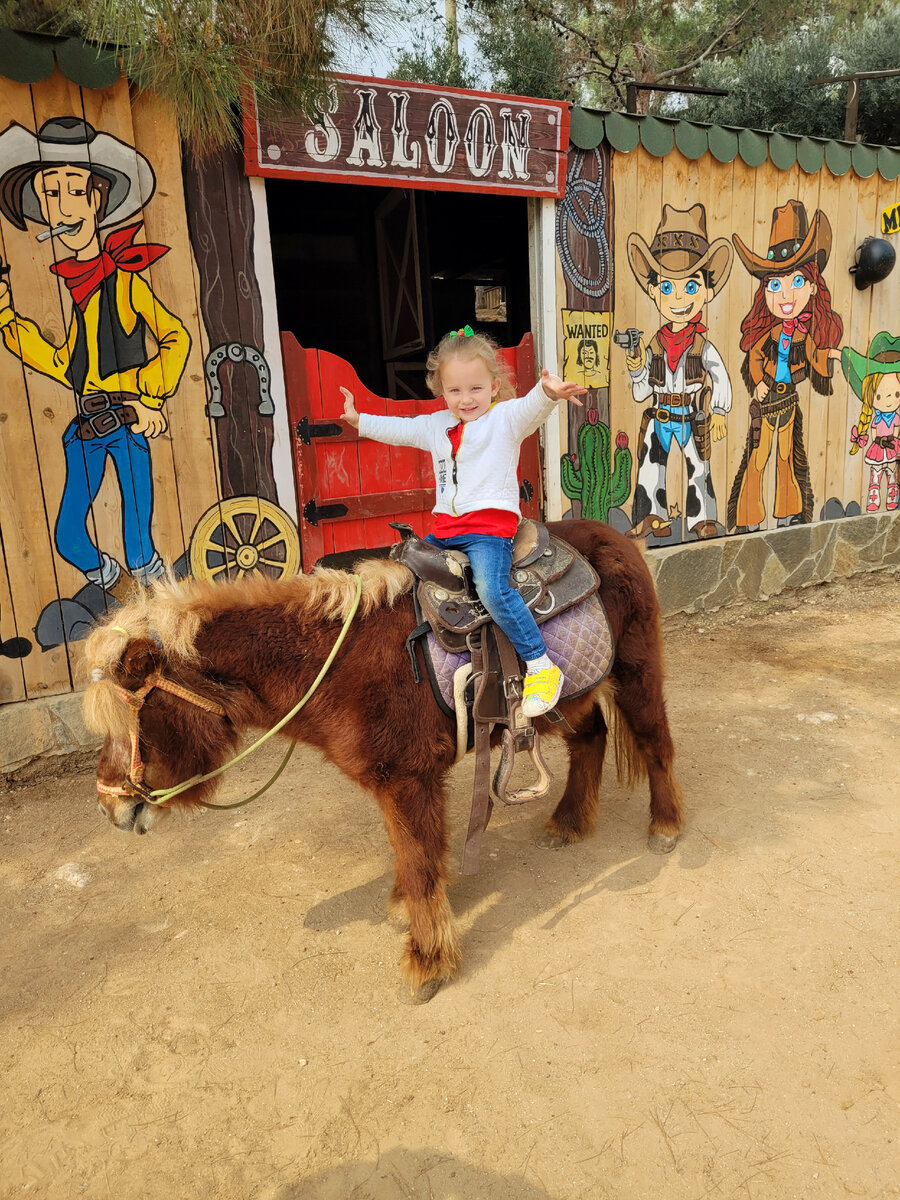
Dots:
(525, 738)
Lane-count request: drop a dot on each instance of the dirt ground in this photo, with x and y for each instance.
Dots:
(211, 1010)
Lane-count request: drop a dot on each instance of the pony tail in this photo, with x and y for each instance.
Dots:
(869, 388)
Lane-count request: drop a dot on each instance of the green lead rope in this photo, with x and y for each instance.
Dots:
(164, 795)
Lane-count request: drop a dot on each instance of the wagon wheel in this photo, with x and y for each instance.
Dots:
(244, 535)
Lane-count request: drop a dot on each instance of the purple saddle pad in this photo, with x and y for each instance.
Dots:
(579, 641)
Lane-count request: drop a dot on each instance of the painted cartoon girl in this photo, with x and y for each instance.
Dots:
(875, 379)
(789, 335)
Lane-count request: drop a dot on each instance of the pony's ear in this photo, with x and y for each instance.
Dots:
(140, 658)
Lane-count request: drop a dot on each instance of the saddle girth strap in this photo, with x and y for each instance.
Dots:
(482, 804)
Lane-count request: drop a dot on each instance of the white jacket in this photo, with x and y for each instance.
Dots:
(483, 475)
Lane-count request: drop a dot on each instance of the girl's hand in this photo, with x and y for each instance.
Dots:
(556, 389)
(761, 390)
(351, 416)
(835, 354)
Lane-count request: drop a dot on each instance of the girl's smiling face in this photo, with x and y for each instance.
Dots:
(788, 295)
(887, 394)
(469, 388)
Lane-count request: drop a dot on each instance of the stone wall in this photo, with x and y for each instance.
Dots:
(712, 574)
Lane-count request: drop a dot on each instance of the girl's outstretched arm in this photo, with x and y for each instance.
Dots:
(351, 416)
(393, 431)
(557, 389)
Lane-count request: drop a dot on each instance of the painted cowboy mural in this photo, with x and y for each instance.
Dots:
(681, 371)
(789, 335)
(75, 181)
(875, 380)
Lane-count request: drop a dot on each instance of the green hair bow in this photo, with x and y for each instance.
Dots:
(466, 331)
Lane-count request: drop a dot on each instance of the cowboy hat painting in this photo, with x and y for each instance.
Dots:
(70, 141)
(680, 248)
(883, 358)
(793, 242)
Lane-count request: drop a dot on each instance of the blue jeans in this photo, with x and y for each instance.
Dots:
(85, 464)
(491, 559)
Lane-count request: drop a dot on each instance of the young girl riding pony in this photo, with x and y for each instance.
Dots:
(474, 445)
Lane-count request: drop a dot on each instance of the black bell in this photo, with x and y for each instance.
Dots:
(874, 262)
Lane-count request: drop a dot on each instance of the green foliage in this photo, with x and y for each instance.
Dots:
(770, 84)
(592, 482)
(435, 63)
(524, 56)
(203, 56)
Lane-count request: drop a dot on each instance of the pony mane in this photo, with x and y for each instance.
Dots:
(172, 612)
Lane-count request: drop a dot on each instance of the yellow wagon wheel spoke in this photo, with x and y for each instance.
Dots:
(211, 556)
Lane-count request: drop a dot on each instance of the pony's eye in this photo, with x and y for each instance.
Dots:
(692, 287)
(666, 287)
(799, 281)
(774, 285)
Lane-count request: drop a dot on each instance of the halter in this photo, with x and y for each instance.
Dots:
(134, 781)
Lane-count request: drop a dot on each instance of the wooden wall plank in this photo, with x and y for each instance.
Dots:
(34, 412)
(12, 675)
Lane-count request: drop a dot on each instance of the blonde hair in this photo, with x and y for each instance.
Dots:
(870, 386)
(476, 345)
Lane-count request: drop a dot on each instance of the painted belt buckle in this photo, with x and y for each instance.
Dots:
(781, 388)
(101, 423)
(663, 414)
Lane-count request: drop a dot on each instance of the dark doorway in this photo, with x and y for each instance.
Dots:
(379, 275)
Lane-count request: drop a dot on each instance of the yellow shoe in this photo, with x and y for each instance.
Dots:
(541, 691)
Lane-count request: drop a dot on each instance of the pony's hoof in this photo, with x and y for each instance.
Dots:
(422, 994)
(547, 840)
(661, 843)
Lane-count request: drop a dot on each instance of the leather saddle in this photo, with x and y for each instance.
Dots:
(548, 574)
(551, 577)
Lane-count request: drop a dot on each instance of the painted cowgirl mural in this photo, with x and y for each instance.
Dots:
(789, 335)
(75, 181)
(875, 379)
(681, 372)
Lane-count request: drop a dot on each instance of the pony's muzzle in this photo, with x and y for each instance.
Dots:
(129, 813)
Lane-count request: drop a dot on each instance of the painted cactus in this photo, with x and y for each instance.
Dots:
(598, 487)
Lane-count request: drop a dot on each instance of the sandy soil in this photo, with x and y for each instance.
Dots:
(211, 1010)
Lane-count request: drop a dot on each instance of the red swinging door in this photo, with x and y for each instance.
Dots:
(349, 489)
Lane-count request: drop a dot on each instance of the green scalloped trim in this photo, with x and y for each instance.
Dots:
(752, 147)
(723, 143)
(810, 155)
(837, 158)
(691, 140)
(25, 59)
(657, 137)
(624, 133)
(864, 160)
(586, 129)
(86, 65)
(782, 151)
(888, 163)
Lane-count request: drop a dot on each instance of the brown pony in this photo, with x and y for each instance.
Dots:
(252, 649)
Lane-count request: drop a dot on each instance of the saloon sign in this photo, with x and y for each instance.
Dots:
(415, 135)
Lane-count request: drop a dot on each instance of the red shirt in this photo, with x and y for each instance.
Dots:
(498, 522)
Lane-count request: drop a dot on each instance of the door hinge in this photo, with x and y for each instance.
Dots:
(313, 513)
(306, 432)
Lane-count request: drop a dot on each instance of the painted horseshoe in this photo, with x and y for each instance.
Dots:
(236, 352)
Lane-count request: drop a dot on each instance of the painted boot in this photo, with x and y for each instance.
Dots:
(874, 500)
(893, 495)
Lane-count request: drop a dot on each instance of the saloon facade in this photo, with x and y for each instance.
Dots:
(179, 403)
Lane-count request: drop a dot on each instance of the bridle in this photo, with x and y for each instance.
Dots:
(133, 784)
